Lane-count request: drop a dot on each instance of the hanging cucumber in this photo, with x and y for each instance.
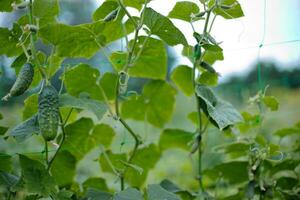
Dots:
(48, 112)
(23, 81)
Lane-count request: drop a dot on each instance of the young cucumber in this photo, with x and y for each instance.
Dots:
(22, 83)
(48, 112)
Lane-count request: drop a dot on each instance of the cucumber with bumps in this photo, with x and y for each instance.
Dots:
(48, 112)
(22, 82)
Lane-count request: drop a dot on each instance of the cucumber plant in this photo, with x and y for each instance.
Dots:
(86, 112)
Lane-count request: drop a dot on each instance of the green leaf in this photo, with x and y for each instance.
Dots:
(36, 178)
(171, 187)
(108, 83)
(103, 10)
(271, 102)
(80, 138)
(104, 134)
(208, 78)
(74, 41)
(93, 194)
(183, 10)
(235, 149)
(188, 51)
(175, 138)
(129, 194)
(9, 41)
(163, 27)
(234, 172)
(287, 131)
(5, 161)
(156, 104)
(63, 195)
(82, 79)
(3, 130)
(96, 107)
(156, 192)
(30, 106)
(45, 11)
(64, 168)
(96, 183)
(182, 77)
(152, 62)
(151, 152)
(234, 12)
(5, 5)
(221, 112)
(212, 55)
(24, 130)
(135, 3)
(115, 159)
(8, 180)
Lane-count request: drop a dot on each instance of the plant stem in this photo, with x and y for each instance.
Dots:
(117, 91)
(32, 43)
(46, 153)
(62, 125)
(127, 13)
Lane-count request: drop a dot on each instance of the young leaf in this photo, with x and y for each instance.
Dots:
(233, 9)
(271, 102)
(182, 77)
(163, 27)
(36, 178)
(208, 78)
(184, 10)
(156, 192)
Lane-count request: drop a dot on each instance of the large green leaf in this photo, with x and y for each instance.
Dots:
(80, 137)
(163, 27)
(82, 79)
(45, 11)
(182, 77)
(156, 104)
(287, 131)
(134, 177)
(108, 83)
(156, 192)
(175, 138)
(64, 168)
(74, 41)
(103, 10)
(104, 134)
(9, 41)
(212, 54)
(96, 107)
(183, 10)
(221, 112)
(152, 62)
(129, 194)
(36, 178)
(24, 130)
